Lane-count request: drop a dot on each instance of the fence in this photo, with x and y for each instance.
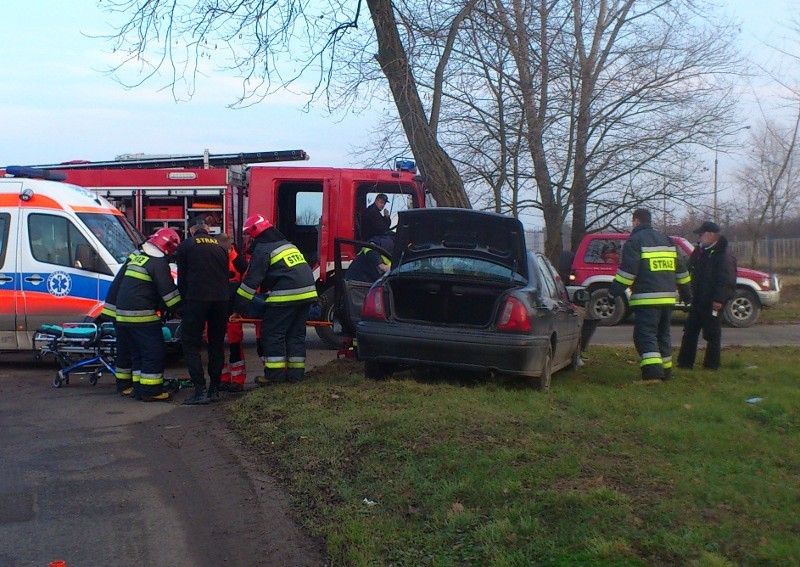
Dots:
(771, 254)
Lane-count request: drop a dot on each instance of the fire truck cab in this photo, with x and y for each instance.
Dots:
(311, 206)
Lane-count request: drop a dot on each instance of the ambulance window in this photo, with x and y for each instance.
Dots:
(55, 240)
(5, 218)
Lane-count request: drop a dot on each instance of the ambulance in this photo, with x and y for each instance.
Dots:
(60, 246)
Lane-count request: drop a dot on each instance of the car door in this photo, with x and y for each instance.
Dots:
(8, 281)
(56, 288)
(565, 314)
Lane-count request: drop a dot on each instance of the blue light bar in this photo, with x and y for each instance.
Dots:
(405, 165)
(35, 173)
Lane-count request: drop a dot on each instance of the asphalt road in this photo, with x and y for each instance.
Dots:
(95, 479)
(758, 335)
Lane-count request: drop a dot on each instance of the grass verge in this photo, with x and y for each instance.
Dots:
(601, 470)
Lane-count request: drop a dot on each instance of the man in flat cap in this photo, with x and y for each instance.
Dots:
(713, 271)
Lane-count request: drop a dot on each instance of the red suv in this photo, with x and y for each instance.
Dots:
(597, 259)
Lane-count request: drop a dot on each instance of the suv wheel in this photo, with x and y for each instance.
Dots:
(743, 310)
(608, 312)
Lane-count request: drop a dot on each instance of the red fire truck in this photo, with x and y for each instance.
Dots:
(311, 206)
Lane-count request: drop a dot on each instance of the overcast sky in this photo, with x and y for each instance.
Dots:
(56, 104)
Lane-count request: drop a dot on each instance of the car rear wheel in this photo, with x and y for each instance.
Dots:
(542, 382)
(608, 312)
(743, 310)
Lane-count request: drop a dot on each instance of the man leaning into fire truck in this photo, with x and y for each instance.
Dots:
(278, 266)
(142, 287)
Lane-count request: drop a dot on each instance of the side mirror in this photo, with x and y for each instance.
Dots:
(581, 297)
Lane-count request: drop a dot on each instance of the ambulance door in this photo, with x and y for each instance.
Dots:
(8, 280)
(56, 287)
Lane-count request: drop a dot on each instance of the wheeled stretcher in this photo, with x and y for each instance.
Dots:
(86, 349)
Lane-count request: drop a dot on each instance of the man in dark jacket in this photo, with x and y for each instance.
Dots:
(713, 271)
(651, 267)
(277, 266)
(375, 220)
(203, 283)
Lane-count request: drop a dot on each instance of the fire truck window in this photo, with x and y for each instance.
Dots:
(5, 219)
(55, 240)
(308, 208)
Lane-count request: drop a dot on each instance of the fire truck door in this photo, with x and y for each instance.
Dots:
(56, 285)
(8, 281)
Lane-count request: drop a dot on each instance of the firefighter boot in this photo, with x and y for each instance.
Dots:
(198, 398)
(213, 392)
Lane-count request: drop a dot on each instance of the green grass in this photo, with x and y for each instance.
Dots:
(600, 470)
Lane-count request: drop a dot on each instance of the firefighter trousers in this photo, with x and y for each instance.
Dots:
(211, 316)
(701, 318)
(283, 339)
(652, 340)
(143, 353)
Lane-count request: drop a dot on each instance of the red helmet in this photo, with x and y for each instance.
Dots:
(255, 225)
(166, 240)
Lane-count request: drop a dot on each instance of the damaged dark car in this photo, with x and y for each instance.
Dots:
(464, 293)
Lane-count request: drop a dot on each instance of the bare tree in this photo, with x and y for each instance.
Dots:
(273, 45)
(770, 182)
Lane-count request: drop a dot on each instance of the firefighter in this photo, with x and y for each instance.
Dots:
(203, 283)
(122, 357)
(278, 266)
(234, 373)
(370, 264)
(142, 287)
(651, 267)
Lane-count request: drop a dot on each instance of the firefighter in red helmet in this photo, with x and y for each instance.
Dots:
(141, 289)
(277, 266)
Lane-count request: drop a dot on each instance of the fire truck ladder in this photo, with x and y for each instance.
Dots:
(206, 160)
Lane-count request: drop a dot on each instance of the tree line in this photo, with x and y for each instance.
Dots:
(581, 110)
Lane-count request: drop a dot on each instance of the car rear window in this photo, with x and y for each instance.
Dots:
(603, 251)
(461, 267)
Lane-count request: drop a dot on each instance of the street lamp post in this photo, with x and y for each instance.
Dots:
(716, 171)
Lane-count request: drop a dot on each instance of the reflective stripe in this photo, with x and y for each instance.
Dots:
(299, 297)
(123, 374)
(683, 278)
(659, 253)
(627, 275)
(297, 362)
(655, 301)
(172, 298)
(151, 379)
(655, 249)
(296, 365)
(623, 280)
(243, 291)
(135, 312)
(131, 274)
(137, 318)
(136, 376)
(650, 358)
(384, 259)
(275, 365)
(668, 363)
(108, 313)
(289, 254)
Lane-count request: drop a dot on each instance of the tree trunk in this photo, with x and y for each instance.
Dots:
(440, 175)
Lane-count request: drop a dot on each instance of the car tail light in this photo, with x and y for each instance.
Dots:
(373, 305)
(514, 316)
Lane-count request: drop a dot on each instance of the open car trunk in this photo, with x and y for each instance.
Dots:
(442, 301)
